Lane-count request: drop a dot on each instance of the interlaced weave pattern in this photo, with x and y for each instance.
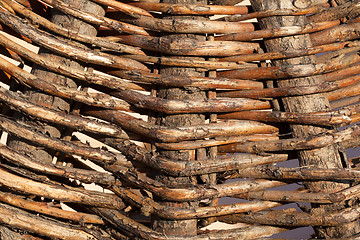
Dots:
(134, 120)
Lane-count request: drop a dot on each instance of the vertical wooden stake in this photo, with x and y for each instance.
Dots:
(327, 157)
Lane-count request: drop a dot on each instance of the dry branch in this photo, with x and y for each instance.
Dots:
(97, 20)
(122, 222)
(49, 228)
(344, 32)
(278, 12)
(180, 81)
(188, 47)
(126, 8)
(178, 213)
(349, 10)
(61, 193)
(65, 47)
(110, 82)
(282, 91)
(190, 168)
(296, 219)
(18, 102)
(86, 176)
(68, 33)
(45, 208)
(191, 9)
(92, 99)
(167, 134)
(98, 155)
(293, 53)
(311, 142)
(293, 71)
(190, 26)
(280, 32)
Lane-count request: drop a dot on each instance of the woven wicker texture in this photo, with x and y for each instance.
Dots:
(166, 108)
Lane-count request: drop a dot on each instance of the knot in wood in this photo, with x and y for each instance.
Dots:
(302, 3)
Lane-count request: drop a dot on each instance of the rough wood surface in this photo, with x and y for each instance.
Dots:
(327, 157)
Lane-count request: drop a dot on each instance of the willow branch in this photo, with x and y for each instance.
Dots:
(187, 46)
(280, 32)
(190, 26)
(295, 143)
(68, 33)
(61, 193)
(18, 102)
(86, 176)
(185, 168)
(94, 19)
(292, 53)
(166, 134)
(191, 9)
(180, 81)
(45, 208)
(293, 71)
(97, 155)
(49, 228)
(92, 99)
(65, 47)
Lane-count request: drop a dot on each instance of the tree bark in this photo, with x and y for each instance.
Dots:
(181, 227)
(330, 156)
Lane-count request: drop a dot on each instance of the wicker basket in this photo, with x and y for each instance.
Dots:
(156, 120)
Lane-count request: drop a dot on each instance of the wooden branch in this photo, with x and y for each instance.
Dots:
(126, 8)
(192, 192)
(122, 222)
(279, 32)
(296, 219)
(304, 173)
(61, 193)
(68, 33)
(18, 102)
(190, 168)
(179, 62)
(344, 32)
(167, 134)
(45, 208)
(191, 9)
(110, 82)
(190, 26)
(293, 71)
(32, 223)
(99, 156)
(92, 99)
(349, 10)
(282, 91)
(349, 91)
(178, 213)
(278, 12)
(189, 106)
(187, 145)
(86, 176)
(342, 73)
(98, 20)
(294, 143)
(188, 47)
(344, 116)
(293, 53)
(180, 81)
(65, 47)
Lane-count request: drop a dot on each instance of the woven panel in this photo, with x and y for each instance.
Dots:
(154, 120)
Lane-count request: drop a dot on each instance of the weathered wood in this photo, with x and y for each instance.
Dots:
(17, 218)
(330, 156)
(62, 193)
(65, 32)
(47, 209)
